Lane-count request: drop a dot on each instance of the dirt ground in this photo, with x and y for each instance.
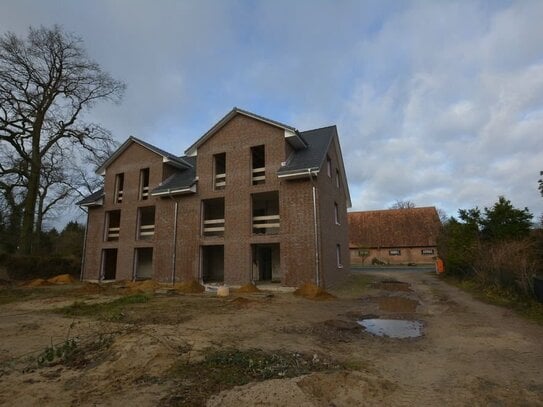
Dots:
(471, 353)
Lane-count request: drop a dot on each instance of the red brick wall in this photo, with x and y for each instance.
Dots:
(408, 255)
(296, 235)
(130, 162)
(332, 234)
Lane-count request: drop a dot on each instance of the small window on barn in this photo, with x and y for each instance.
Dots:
(338, 256)
(329, 166)
(395, 252)
(336, 213)
(427, 252)
(337, 178)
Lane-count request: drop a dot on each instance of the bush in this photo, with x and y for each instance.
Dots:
(30, 267)
(508, 265)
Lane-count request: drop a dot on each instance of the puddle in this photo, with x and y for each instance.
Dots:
(393, 285)
(393, 328)
(397, 304)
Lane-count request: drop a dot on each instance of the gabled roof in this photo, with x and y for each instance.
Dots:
(312, 158)
(94, 199)
(166, 157)
(293, 136)
(181, 181)
(394, 228)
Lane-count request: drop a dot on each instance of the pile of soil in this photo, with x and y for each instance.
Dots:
(189, 287)
(5, 283)
(37, 282)
(62, 279)
(312, 292)
(248, 288)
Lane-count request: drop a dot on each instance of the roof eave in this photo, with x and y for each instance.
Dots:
(301, 173)
(176, 191)
(98, 202)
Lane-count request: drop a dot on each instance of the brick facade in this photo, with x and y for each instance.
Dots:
(179, 249)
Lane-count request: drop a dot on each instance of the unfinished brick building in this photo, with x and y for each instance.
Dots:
(252, 200)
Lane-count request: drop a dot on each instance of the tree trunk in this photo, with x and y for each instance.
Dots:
(27, 229)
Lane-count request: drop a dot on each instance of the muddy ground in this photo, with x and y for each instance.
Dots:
(192, 349)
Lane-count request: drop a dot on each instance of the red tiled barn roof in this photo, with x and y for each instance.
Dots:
(394, 228)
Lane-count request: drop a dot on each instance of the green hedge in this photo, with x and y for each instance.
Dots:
(29, 267)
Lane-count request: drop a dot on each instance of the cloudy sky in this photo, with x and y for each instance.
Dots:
(437, 102)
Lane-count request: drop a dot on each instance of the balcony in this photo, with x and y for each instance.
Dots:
(146, 223)
(258, 165)
(219, 171)
(113, 225)
(266, 218)
(259, 175)
(213, 217)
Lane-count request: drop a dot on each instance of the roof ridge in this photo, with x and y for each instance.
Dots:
(319, 128)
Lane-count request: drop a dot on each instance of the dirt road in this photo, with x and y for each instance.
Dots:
(154, 353)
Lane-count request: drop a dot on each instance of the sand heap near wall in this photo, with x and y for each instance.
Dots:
(189, 287)
(248, 288)
(311, 291)
(37, 282)
(62, 279)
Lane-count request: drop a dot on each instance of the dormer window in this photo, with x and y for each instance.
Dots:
(119, 187)
(258, 165)
(144, 184)
(219, 171)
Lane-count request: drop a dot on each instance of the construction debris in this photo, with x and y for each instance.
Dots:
(313, 292)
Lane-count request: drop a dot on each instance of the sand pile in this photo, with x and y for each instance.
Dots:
(37, 282)
(248, 288)
(241, 302)
(313, 292)
(62, 279)
(189, 287)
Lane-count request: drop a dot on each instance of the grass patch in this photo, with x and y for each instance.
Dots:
(9, 295)
(355, 285)
(524, 306)
(106, 311)
(226, 368)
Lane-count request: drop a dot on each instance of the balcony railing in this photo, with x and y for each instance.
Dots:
(145, 192)
(213, 227)
(147, 231)
(220, 181)
(113, 233)
(265, 224)
(259, 175)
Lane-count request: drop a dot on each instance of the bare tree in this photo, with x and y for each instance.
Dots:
(402, 204)
(46, 82)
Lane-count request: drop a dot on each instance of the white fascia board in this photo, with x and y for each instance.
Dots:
(176, 191)
(294, 139)
(300, 174)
